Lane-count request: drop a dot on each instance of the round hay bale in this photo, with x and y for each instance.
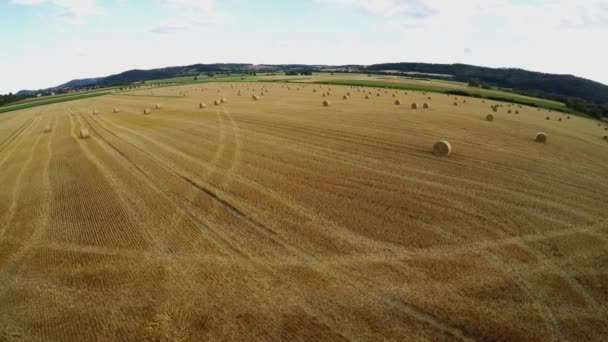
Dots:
(217, 102)
(378, 94)
(348, 94)
(509, 111)
(605, 137)
(223, 100)
(429, 98)
(324, 95)
(314, 90)
(84, 133)
(345, 97)
(490, 117)
(541, 137)
(326, 103)
(548, 118)
(147, 111)
(116, 110)
(157, 106)
(516, 112)
(47, 129)
(95, 112)
(414, 105)
(367, 97)
(254, 97)
(202, 105)
(442, 148)
(455, 104)
(426, 105)
(397, 102)
(560, 119)
(394, 95)
(568, 117)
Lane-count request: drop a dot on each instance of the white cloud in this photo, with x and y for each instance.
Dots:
(72, 10)
(193, 14)
(387, 8)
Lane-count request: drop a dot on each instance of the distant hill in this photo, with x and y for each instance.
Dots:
(559, 87)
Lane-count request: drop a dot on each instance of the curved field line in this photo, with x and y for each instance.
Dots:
(211, 233)
(14, 135)
(266, 231)
(18, 253)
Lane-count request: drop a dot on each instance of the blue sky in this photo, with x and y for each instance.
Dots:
(48, 42)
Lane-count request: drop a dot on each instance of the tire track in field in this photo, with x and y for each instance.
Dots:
(265, 269)
(16, 185)
(211, 233)
(14, 134)
(268, 232)
(338, 156)
(549, 316)
(182, 274)
(401, 149)
(541, 301)
(338, 231)
(22, 237)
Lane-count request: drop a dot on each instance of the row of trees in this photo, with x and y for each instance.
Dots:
(10, 98)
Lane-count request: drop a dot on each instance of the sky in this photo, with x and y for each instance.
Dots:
(45, 43)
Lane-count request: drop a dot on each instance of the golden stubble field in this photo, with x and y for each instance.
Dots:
(280, 219)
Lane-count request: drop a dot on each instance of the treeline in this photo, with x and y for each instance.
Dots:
(577, 93)
(10, 98)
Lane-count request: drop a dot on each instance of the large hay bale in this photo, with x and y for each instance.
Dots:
(414, 105)
(548, 118)
(455, 104)
(541, 137)
(217, 102)
(326, 103)
(568, 117)
(324, 95)
(442, 148)
(223, 100)
(345, 97)
(490, 117)
(397, 102)
(84, 133)
(367, 97)
(605, 137)
(254, 97)
(517, 112)
(47, 129)
(426, 105)
(116, 110)
(157, 106)
(95, 112)
(509, 111)
(202, 105)
(147, 111)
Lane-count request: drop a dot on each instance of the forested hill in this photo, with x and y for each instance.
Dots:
(559, 87)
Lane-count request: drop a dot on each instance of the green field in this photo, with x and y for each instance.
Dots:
(41, 101)
(503, 95)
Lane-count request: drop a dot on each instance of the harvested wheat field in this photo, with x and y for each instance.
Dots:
(282, 219)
